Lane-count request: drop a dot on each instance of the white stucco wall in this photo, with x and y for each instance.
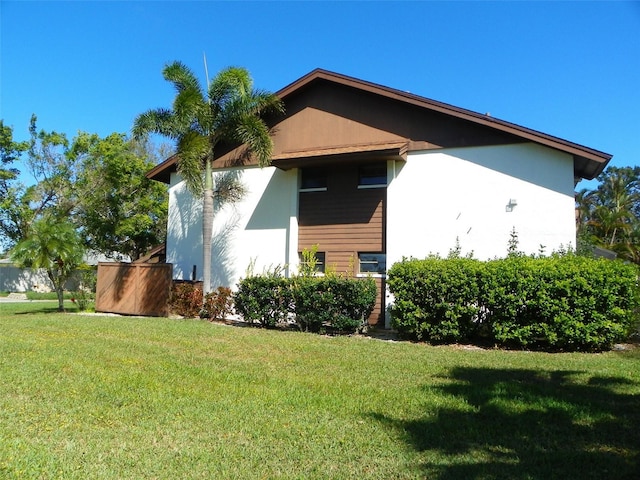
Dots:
(257, 230)
(437, 196)
(432, 198)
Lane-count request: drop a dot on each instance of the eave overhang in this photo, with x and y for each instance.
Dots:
(348, 154)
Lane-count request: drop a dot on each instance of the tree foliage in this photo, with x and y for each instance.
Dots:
(97, 184)
(10, 152)
(230, 110)
(609, 215)
(52, 193)
(118, 209)
(54, 246)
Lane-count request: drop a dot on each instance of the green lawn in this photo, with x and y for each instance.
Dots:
(86, 397)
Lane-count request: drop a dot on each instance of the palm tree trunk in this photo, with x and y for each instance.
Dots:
(207, 229)
(58, 286)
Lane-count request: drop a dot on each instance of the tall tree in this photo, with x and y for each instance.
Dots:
(55, 172)
(53, 245)
(52, 192)
(229, 110)
(120, 212)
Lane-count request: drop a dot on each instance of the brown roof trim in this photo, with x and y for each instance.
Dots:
(350, 153)
(162, 171)
(588, 162)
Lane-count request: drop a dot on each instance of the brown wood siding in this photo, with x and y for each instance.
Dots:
(342, 221)
(134, 288)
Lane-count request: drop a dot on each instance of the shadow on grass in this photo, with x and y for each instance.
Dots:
(43, 308)
(527, 424)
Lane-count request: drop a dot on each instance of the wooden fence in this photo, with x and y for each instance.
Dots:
(134, 288)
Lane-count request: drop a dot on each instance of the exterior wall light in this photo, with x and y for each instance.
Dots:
(512, 203)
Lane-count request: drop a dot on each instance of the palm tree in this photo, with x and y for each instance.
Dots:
(607, 215)
(54, 246)
(228, 111)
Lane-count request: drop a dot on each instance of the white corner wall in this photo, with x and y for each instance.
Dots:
(254, 231)
(437, 196)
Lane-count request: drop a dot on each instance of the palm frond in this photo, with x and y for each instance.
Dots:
(193, 148)
(160, 121)
(182, 77)
(230, 83)
(252, 131)
(266, 103)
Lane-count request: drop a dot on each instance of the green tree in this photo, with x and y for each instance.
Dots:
(54, 246)
(10, 152)
(53, 192)
(55, 172)
(608, 216)
(119, 210)
(228, 111)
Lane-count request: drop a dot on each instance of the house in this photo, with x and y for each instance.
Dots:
(370, 175)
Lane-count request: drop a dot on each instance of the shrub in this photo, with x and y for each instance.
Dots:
(316, 302)
(85, 296)
(436, 299)
(185, 299)
(265, 299)
(218, 305)
(332, 301)
(562, 302)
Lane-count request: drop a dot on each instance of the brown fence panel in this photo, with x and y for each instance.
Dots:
(134, 288)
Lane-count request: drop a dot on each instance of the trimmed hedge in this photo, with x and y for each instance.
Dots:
(551, 303)
(560, 303)
(435, 299)
(315, 303)
(340, 303)
(265, 299)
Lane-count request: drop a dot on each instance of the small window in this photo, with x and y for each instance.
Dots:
(313, 179)
(372, 262)
(371, 176)
(318, 267)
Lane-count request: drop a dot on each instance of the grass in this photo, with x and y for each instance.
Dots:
(116, 397)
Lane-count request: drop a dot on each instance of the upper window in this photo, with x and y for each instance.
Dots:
(373, 175)
(313, 179)
(372, 262)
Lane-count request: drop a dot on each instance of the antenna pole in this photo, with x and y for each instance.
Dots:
(206, 70)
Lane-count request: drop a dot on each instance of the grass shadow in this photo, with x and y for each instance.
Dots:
(39, 308)
(527, 424)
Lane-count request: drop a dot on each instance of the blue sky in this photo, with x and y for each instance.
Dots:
(569, 69)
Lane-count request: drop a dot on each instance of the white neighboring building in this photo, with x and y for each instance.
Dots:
(370, 174)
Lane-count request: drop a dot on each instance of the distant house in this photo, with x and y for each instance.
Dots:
(371, 174)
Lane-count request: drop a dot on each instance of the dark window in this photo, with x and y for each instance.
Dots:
(319, 261)
(374, 175)
(313, 179)
(372, 262)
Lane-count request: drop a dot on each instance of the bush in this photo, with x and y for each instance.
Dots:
(436, 299)
(218, 305)
(265, 299)
(553, 303)
(316, 302)
(343, 304)
(560, 303)
(85, 296)
(185, 299)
